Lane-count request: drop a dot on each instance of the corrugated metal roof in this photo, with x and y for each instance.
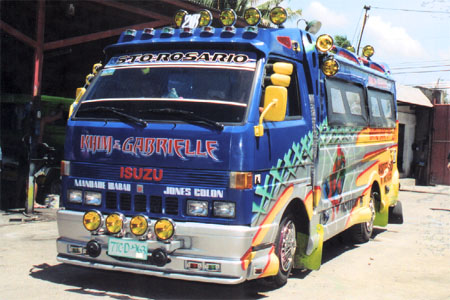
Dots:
(411, 95)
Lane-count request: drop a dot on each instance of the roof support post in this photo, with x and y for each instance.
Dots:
(39, 49)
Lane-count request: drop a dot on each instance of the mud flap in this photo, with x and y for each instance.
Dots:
(382, 215)
(396, 214)
(314, 260)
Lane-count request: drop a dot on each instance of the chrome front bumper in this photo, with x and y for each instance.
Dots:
(193, 242)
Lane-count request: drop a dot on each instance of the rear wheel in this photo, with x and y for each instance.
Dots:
(285, 246)
(361, 233)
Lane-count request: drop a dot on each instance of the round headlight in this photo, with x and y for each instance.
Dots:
(92, 220)
(114, 223)
(330, 67)
(278, 15)
(324, 43)
(252, 16)
(205, 18)
(139, 225)
(179, 16)
(368, 51)
(228, 17)
(164, 229)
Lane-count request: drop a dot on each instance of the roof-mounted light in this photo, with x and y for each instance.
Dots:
(228, 17)
(207, 31)
(167, 32)
(368, 51)
(148, 32)
(228, 31)
(179, 17)
(130, 33)
(324, 43)
(186, 31)
(252, 16)
(205, 18)
(278, 15)
(330, 66)
(350, 48)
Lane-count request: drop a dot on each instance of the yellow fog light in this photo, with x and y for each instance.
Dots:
(228, 17)
(179, 16)
(252, 16)
(92, 220)
(330, 67)
(324, 43)
(368, 51)
(114, 223)
(278, 15)
(164, 229)
(139, 225)
(205, 18)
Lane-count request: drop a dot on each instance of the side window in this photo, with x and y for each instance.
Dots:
(381, 109)
(293, 108)
(346, 103)
(337, 105)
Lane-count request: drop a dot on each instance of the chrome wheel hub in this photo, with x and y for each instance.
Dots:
(288, 246)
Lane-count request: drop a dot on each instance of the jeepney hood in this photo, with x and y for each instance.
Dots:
(172, 145)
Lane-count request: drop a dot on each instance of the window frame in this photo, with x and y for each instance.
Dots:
(347, 118)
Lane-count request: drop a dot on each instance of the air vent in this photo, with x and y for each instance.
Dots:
(155, 204)
(125, 201)
(111, 200)
(171, 206)
(140, 203)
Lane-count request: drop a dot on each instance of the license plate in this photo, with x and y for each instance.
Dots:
(127, 248)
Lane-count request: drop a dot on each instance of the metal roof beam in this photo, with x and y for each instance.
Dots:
(99, 35)
(132, 9)
(17, 34)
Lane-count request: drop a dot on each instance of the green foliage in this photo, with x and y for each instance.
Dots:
(342, 41)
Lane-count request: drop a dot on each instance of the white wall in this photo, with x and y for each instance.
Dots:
(408, 118)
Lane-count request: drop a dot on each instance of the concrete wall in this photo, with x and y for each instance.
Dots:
(407, 117)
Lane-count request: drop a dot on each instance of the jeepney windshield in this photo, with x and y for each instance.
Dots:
(220, 94)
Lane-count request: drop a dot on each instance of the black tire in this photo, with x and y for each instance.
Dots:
(285, 246)
(361, 233)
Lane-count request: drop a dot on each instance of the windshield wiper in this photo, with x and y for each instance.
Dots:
(186, 116)
(118, 112)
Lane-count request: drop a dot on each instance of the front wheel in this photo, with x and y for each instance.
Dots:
(285, 246)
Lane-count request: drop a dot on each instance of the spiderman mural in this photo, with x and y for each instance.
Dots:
(334, 184)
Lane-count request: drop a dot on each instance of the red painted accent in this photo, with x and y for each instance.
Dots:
(366, 170)
(285, 41)
(268, 263)
(375, 153)
(243, 258)
(348, 56)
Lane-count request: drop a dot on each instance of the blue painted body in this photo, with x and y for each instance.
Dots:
(235, 148)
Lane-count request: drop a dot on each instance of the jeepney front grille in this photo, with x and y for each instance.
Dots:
(155, 204)
(111, 200)
(140, 203)
(151, 205)
(125, 201)
(171, 206)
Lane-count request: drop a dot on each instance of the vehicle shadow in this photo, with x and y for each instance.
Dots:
(124, 286)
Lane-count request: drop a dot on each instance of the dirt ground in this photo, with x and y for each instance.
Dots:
(408, 261)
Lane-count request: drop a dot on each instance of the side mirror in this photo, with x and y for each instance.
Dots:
(275, 102)
(79, 93)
